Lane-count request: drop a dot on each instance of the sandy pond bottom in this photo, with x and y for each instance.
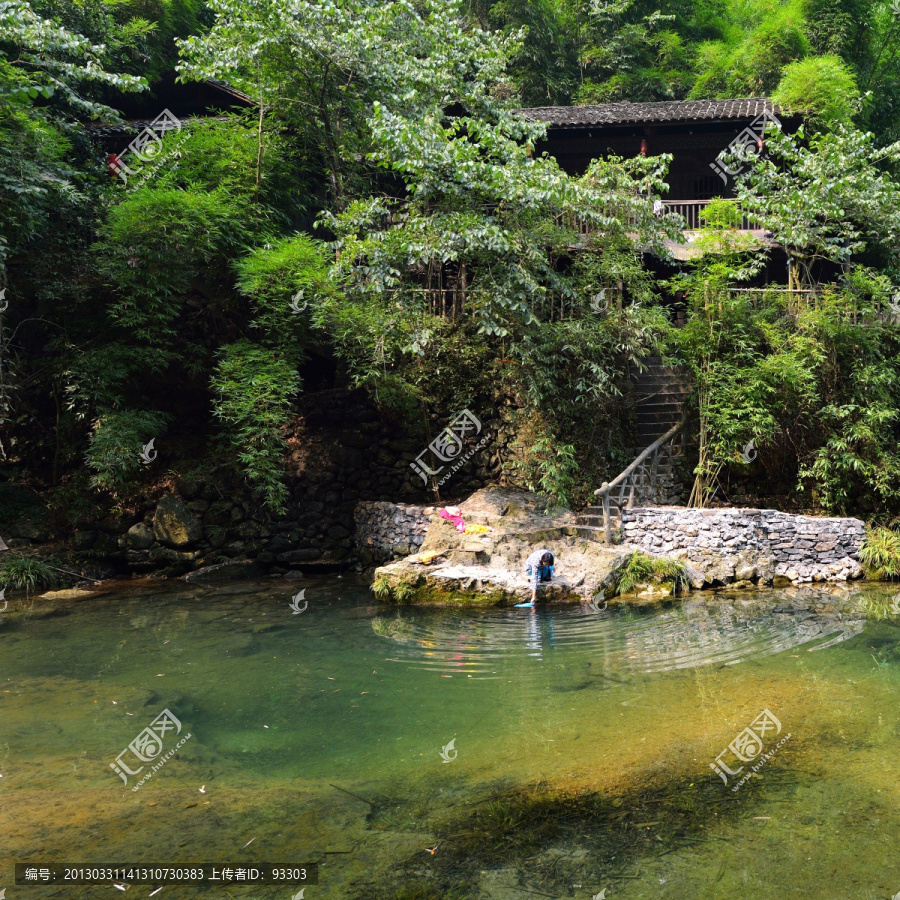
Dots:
(560, 753)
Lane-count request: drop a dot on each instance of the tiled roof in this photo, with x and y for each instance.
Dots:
(666, 111)
(136, 126)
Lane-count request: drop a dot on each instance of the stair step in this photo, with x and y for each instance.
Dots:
(592, 521)
(659, 414)
(590, 534)
(660, 377)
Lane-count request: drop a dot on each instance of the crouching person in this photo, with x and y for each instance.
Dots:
(539, 567)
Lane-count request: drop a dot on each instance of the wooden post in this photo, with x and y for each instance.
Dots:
(653, 475)
(605, 490)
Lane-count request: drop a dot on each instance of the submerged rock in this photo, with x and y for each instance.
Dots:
(488, 569)
(72, 594)
(226, 571)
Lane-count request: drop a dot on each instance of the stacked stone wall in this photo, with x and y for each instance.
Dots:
(725, 545)
(386, 530)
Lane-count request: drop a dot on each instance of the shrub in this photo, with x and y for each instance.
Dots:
(24, 572)
(254, 386)
(643, 569)
(880, 553)
(116, 442)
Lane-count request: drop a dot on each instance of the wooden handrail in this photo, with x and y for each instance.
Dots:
(607, 486)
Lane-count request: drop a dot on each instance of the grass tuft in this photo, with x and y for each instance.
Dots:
(644, 569)
(880, 554)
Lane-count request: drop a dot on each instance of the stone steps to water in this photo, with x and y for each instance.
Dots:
(660, 394)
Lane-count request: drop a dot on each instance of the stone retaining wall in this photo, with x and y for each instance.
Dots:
(385, 530)
(723, 545)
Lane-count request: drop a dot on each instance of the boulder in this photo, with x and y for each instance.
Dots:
(84, 540)
(174, 524)
(488, 569)
(73, 594)
(139, 537)
(32, 528)
(167, 554)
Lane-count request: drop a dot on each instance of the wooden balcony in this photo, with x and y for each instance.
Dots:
(689, 210)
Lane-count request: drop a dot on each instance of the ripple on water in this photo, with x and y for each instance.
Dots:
(716, 630)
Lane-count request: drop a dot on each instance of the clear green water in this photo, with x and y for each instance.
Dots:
(583, 743)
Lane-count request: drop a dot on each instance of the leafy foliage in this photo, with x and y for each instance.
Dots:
(116, 441)
(808, 375)
(643, 569)
(25, 572)
(823, 88)
(880, 553)
(254, 390)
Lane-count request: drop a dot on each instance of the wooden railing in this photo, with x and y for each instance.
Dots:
(641, 475)
(689, 210)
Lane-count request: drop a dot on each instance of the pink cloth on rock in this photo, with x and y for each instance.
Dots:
(452, 513)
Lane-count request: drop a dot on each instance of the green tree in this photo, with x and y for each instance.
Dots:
(823, 88)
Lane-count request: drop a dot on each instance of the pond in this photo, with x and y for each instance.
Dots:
(562, 752)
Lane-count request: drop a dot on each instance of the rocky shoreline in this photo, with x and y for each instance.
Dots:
(710, 548)
(196, 533)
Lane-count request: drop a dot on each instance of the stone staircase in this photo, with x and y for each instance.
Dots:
(660, 393)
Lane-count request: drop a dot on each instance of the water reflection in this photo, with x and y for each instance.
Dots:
(722, 628)
(736, 627)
